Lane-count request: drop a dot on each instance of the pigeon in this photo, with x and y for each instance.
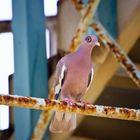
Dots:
(73, 76)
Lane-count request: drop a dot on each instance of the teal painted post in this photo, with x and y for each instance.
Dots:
(30, 77)
(107, 15)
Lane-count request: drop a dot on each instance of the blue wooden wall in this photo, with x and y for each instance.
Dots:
(30, 77)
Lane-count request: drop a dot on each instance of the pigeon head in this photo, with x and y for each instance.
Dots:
(91, 41)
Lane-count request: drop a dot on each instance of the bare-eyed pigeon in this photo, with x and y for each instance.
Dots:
(74, 73)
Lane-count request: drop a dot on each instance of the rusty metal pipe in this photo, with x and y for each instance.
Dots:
(70, 106)
(118, 52)
(42, 125)
(43, 121)
(84, 23)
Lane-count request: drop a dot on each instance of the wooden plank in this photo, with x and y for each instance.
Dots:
(30, 78)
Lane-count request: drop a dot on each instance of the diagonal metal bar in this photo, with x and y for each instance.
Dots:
(81, 29)
(84, 23)
(43, 121)
(118, 52)
(41, 125)
(70, 106)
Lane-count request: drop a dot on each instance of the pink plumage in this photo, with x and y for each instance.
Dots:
(74, 73)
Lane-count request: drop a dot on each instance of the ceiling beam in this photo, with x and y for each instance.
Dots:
(124, 82)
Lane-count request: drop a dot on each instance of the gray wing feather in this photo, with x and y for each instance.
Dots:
(90, 78)
(59, 76)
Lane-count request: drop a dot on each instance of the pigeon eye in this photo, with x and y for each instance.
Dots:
(88, 39)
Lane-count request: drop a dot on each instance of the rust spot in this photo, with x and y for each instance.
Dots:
(47, 101)
(33, 136)
(102, 36)
(45, 117)
(0, 99)
(50, 103)
(80, 2)
(27, 100)
(8, 98)
(125, 112)
(53, 103)
(135, 76)
(123, 60)
(93, 25)
(83, 107)
(130, 67)
(96, 29)
(90, 108)
(77, 105)
(93, 109)
(109, 110)
(116, 53)
(111, 45)
(65, 103)
(74, 106)
(133, 114)
(87, 12)
(24, 100)
(33, 101)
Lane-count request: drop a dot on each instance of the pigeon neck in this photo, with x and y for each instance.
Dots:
(85, 51)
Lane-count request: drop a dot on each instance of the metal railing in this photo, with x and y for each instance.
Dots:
(71, 106)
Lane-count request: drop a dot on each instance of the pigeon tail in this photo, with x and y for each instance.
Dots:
(63, 122)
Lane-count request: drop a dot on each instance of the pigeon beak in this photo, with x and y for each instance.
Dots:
(97, 43)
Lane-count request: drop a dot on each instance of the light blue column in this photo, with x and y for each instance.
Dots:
(30, 77)
(107, 15)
